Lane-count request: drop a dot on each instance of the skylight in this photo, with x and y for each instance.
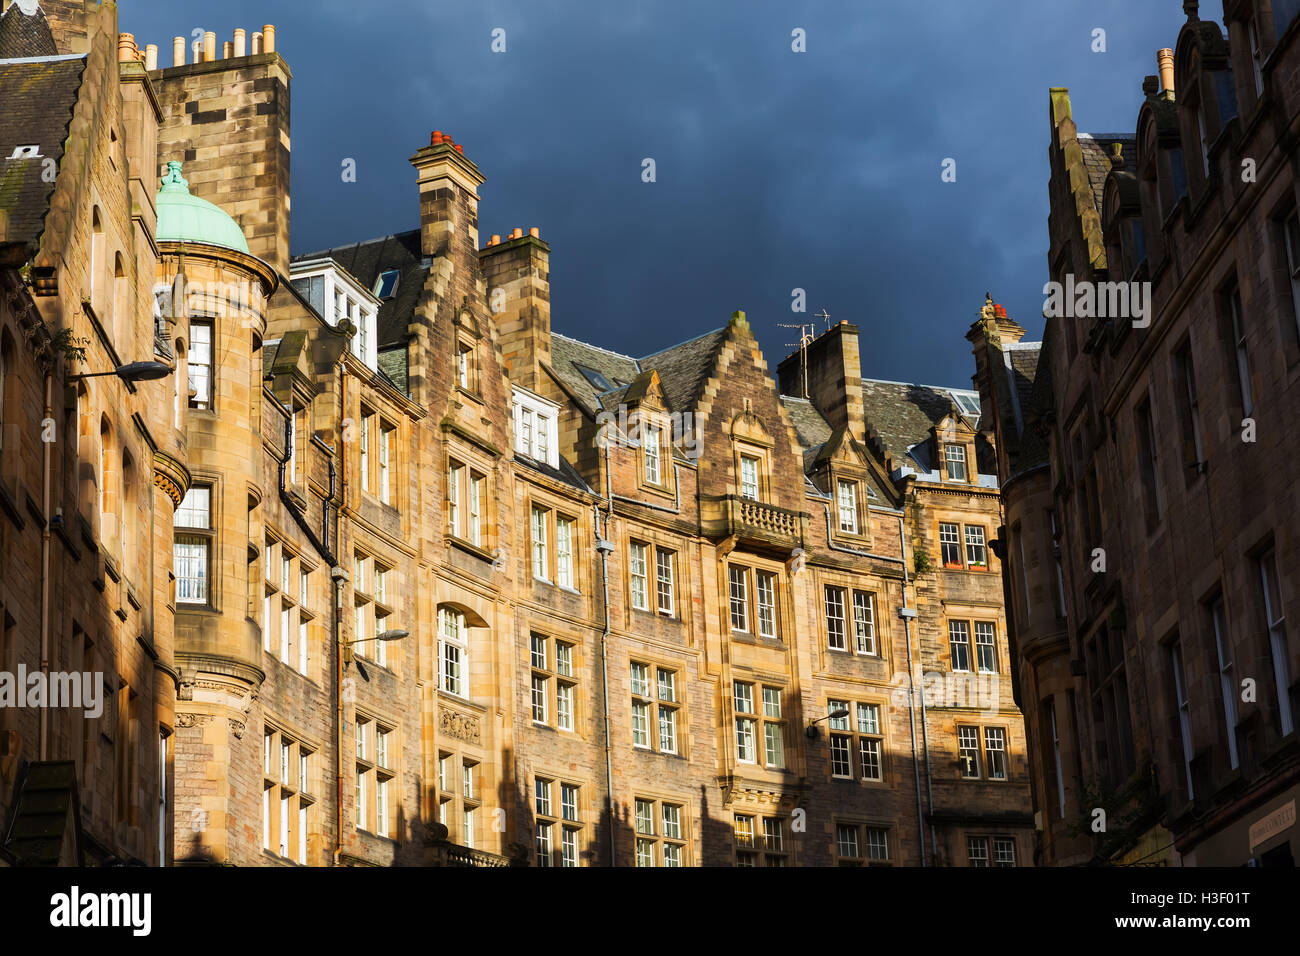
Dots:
(599, 382)
(386, 286)
(968, 403)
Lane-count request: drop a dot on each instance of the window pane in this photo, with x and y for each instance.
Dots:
(864, 622)
(835, 619)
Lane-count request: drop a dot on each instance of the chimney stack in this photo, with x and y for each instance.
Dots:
(521, 268)
(448, 184)
(178, 51)
(241, 42)
(1166, 60)
(834, 378)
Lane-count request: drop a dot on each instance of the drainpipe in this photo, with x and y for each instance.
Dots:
(855, 551)
(925, 735)
(339, 577)
(676, 509)
(605, 546)
(45, 570)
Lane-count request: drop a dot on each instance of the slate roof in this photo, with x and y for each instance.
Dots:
(813, 430)
(1021, 364)
(565, 473)
(38, 98)
(682, 370)
(367, 260)
(1033, 447)
(1096, 158)
(24, 36)
(900, 415)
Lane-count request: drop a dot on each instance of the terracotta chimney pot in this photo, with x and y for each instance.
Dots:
(1166, 60)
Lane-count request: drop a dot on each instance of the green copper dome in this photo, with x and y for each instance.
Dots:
(186, 218)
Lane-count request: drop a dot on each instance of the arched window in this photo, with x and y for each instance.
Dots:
(109, 487)
(453, 651)
(98, 262)
(180, 379)
(119, 324)
(85, 476)
(130, 547)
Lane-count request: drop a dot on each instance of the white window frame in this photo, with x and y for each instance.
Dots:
(749, 477)
(452, 636)
(639, 575)
(846, 496)
(535, 427)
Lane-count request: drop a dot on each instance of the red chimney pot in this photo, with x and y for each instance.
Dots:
(460, 149)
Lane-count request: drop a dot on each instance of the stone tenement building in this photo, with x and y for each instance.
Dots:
(1151, 540)
(435, 585)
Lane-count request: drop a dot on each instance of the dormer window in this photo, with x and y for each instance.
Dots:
(338, 297)
(464, 359)
(386, 284)
(749, 477)
(846, 495)
(535, 427)
(955, 461)
(652, 447)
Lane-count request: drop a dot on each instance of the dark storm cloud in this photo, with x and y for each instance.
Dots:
(775, 169)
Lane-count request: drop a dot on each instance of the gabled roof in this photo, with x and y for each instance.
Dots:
(1096, 158)
(682, 370)
(38, 97)
(366, 261)
(24, 34)
(814, 432)
(900, 416)
(812, 429)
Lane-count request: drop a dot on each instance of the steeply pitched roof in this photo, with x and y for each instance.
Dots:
(682, 370)
(900, 415)
(1033, 449)
(1096, 157)
(366, 261)
(812, 429)
(25, 34)
(38, 98)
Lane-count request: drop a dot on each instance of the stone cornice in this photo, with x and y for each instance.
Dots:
(171, 476)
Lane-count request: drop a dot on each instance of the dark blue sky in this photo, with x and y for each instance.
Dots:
(775, 169)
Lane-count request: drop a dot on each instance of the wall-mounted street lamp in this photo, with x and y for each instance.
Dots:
(131, 372)
(385, 636)
(833, 715)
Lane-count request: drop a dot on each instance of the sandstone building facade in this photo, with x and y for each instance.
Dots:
(440, 585)
(1148, 480)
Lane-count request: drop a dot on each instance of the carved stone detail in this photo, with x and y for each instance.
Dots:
(461, 726)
